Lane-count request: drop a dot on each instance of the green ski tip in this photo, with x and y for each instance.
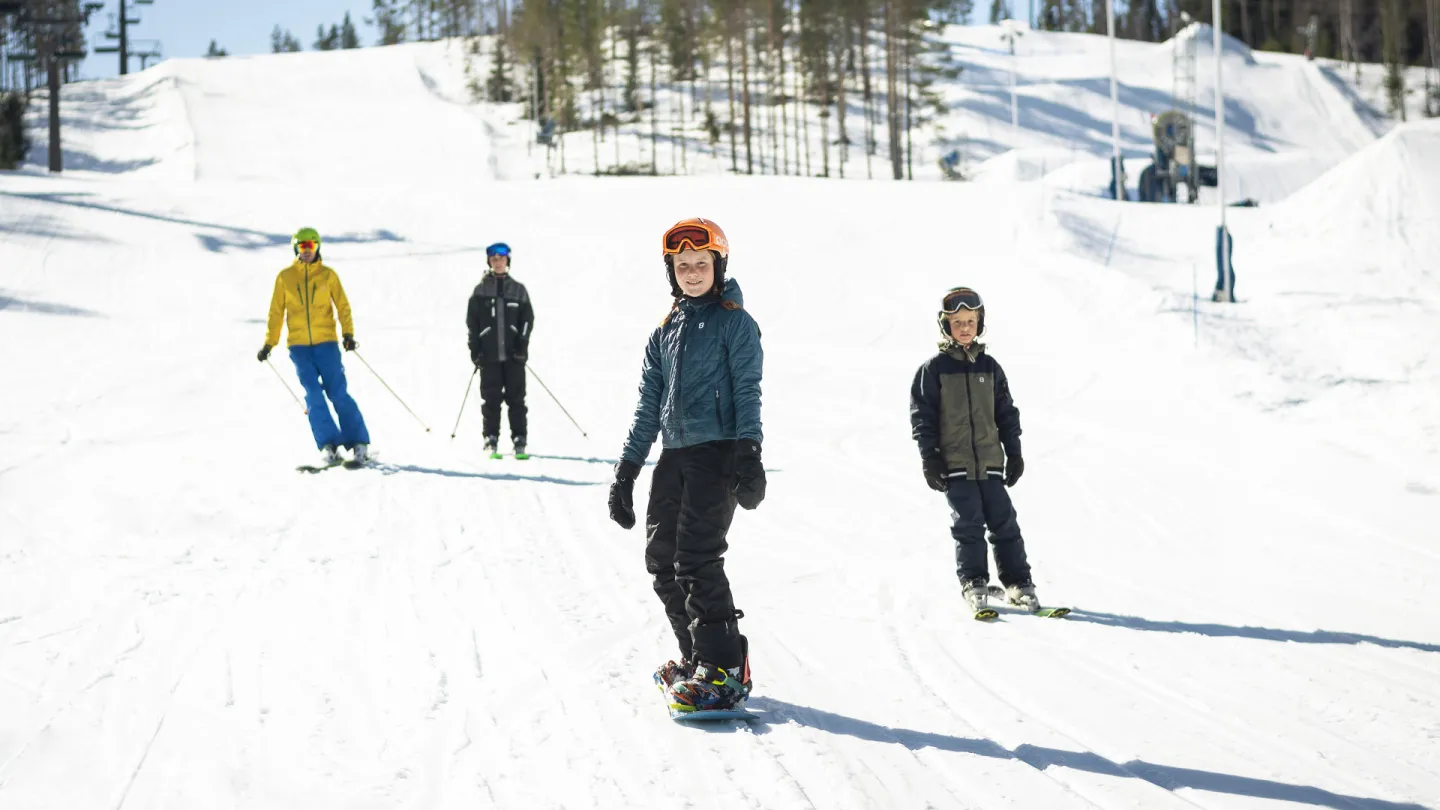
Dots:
(522, 456)
(985, 614)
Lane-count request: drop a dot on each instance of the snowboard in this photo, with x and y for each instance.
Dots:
(1044, 612)
(701, 715)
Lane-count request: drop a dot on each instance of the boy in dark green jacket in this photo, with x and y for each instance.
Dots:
(968, 430)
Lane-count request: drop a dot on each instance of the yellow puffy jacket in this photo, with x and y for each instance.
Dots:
(304, 297)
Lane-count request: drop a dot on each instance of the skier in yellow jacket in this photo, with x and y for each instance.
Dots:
(307, 297)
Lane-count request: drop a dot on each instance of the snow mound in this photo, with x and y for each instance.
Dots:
(1204, 38)
(1389, 190)
(1024, 165)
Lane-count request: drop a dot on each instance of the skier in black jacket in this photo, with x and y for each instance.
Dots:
(501, 321)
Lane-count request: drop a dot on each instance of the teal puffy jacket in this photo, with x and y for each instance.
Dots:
(701, 378)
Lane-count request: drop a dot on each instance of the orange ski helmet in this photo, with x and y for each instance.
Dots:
(695, 233)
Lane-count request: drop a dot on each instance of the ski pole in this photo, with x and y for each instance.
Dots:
(392, 392)
(287, 385)
(557, 401)
(468, 385)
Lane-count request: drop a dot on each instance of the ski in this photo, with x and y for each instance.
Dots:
(316, 468)
(1044, 612)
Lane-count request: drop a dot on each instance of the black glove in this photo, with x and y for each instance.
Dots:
(935, 472)
(622, 494)
(1014, 468)
(748, 485)
(522, 352)
(264, 353)
(350, 344)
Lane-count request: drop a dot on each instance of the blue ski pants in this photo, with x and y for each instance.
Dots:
(322, 375)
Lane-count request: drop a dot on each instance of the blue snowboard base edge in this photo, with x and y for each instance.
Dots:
(712, 714)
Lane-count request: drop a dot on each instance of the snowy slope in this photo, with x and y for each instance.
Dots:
(185, 622)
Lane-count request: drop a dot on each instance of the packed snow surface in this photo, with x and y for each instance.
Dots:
(1239, 501)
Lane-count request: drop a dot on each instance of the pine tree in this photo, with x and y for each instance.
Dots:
(348, 37)
(215, 51)
(388, 22)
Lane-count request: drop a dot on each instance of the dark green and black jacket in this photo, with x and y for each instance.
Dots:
(960, 410)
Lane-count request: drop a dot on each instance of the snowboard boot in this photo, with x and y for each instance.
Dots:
(492, 446)
(671, 673)
(1022, 595)
(362, 453)
(520, 448)
(329, 455)
(711, 688)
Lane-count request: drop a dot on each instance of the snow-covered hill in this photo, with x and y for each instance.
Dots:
(1246, 528)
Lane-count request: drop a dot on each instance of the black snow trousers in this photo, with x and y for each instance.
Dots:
(503, 381)
(686, 522)
(975, 505)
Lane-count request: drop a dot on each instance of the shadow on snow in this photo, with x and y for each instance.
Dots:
(773, 712)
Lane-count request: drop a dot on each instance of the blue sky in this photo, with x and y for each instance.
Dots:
(185, 27)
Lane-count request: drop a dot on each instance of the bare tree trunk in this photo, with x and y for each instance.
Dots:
(1432, 30)
(892, 89)
(841, 61)
(654, 113)
(745, 87)
(802, 121)
(824, 73)
(909, 165)
(869, 95)
(784, 101)
(730, 85)
(599, 122)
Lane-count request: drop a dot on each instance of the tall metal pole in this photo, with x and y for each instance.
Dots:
(124, 42)
(1224, 240)
(52, 67)
(1115, 104)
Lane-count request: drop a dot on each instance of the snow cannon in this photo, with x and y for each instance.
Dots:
(1174, 165)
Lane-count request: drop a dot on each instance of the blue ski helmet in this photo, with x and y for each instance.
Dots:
(498, 249)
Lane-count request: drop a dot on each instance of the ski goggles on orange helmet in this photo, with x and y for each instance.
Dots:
(308, 244)
(961, 298)
(695, 234)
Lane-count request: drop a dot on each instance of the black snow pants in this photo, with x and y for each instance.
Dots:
(975, 505)
(686, 522)
(503, 381)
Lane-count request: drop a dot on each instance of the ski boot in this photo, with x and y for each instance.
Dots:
(1022, 595)
(330, 455)
(362, 453)
(671, 673)
(520, 453)
(976, 592)
(492, 446)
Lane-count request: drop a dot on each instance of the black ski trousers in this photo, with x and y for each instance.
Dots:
(503, 382)
(975, 505)
(686, 522)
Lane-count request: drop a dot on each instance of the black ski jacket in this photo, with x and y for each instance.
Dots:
(500, 320)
